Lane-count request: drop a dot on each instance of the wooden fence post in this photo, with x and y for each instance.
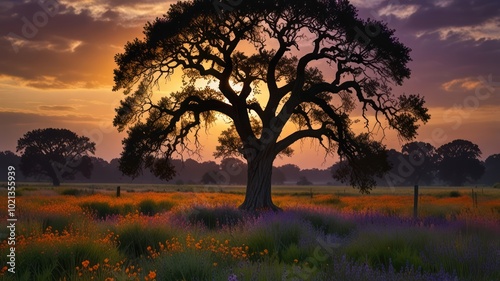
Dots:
(415, 201)
(118, 191)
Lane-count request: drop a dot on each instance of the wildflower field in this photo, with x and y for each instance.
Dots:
(81, 232)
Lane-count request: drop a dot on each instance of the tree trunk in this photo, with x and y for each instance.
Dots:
(56, 181)
(258, 192)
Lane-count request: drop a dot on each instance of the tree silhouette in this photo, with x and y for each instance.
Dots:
(304, 181)
(55, 153)
(290, 171)
(9, 158)
(263, 59)
(459, 162)
(420, 160)
(492, 169)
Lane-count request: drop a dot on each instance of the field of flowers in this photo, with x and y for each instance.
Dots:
(195, 233)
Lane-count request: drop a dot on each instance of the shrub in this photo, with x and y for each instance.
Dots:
(304, 181)
(100, 209)
(496, 185)
(329, 224)
(454, 194)
(134, 238)
(185, 266)
(71, 191)
(76, 192)
(382, 249)
(277, 234)
(165, 205)
(293, 252)
(215, 217)
(55, 222)
(148, 207)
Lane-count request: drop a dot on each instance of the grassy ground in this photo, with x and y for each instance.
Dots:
(166, 232)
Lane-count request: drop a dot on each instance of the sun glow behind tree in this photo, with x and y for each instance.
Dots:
(205, 47)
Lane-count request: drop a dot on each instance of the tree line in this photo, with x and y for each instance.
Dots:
(60, 155)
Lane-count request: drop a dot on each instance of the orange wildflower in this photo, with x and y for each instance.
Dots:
(151, 275)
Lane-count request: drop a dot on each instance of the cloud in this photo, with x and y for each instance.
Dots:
(488, 30)
(432, 17)
(71, 49)
(56, 108)
(123, 12)
(468, 83)
(366, 4)
(14, 118)
(453, 43)
(399, 11)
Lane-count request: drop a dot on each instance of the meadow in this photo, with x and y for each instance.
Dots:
(167, 232)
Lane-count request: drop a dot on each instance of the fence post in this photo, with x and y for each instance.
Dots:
(118, 191)
(415, 201)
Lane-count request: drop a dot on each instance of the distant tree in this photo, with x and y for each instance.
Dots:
(9, 158)
(210, 177)
(319, 175)
(278, 176)
(234, 169)
(393, 176)
(304, 181)
(420, 160)
(55, 153)
(458, 162)
(371, 163)
(290, 171)
(492, 169)
(254, 49)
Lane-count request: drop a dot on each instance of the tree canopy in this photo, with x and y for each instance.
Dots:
(421, 157)
(458, 162)
(55, 153)
(265, 60)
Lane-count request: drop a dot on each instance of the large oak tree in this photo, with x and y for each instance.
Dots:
(264, 58)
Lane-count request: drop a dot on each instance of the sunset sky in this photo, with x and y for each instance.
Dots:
(56, 69)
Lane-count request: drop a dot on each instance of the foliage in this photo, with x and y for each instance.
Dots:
(421, 157)
(134, 238)
(213, 218)
(101, 210)
(194, 39)
(398, 248)
(459, 162)
(304, 181)
(55, 153)
(150, 207)
(492, 166)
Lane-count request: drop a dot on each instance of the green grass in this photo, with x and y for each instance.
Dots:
(213, 218)
(398, 247)
(101, 210)
(330, 224)
(150, 208)
(134, 238)
(59, 259)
